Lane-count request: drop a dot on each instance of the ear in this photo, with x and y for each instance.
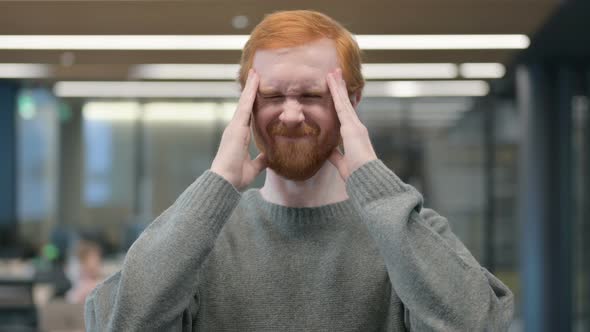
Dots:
(355, 98)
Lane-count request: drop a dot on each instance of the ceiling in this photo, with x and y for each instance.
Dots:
(215, 17)
(562, 37)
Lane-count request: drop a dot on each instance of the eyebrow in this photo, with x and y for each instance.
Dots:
(267, 91)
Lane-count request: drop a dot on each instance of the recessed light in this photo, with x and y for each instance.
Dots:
(236, 42)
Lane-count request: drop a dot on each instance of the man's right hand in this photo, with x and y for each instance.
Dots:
(233, 161)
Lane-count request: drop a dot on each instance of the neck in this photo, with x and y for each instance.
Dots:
(325, 187)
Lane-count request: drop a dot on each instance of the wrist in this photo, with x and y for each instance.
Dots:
(225, 175)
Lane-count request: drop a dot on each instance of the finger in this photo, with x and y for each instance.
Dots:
(256, 166)
(246, 102)
(344, 96)
(259, 163)
(337, 159)
(344, 108)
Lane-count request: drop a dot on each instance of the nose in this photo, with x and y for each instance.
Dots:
(292, 115)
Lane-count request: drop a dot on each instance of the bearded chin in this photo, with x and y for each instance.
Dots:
(296, 160)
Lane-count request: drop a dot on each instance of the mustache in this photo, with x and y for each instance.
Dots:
(305, 129)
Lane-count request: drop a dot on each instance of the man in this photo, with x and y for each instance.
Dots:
(332, 242)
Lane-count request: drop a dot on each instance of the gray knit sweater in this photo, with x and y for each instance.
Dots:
(218, 260)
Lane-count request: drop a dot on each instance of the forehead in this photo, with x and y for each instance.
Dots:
(305, 66)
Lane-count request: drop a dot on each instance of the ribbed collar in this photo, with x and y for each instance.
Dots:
(297, 217)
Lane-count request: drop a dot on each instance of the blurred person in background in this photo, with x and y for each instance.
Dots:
(333, 241)
(89, 271)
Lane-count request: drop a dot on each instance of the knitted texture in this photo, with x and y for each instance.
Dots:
(218, 260)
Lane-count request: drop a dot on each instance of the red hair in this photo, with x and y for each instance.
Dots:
(297, 27)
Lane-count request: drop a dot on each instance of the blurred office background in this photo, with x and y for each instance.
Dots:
(100, 131)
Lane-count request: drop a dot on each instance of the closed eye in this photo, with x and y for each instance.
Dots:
(273, 97)
(311, 96)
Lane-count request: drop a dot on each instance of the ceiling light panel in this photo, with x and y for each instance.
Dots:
(408, 89)
(25, 70)
(442, 42)
(124, 89)
(482, 70)
(409, 70)
(185, 71)
(237, 42)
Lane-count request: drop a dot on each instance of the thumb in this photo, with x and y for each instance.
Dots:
(259, 163)
(253, 167)
(337, 159)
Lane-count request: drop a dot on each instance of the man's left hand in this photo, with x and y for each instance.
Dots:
(358, 149)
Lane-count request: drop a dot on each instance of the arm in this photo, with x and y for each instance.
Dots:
(156, 287)
(440, 283)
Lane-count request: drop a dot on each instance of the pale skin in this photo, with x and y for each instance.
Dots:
(327, 186)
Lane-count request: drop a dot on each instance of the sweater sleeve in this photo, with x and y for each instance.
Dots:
(442, 286)
(155, 289)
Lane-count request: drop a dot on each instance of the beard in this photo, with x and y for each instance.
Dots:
(302, 155)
